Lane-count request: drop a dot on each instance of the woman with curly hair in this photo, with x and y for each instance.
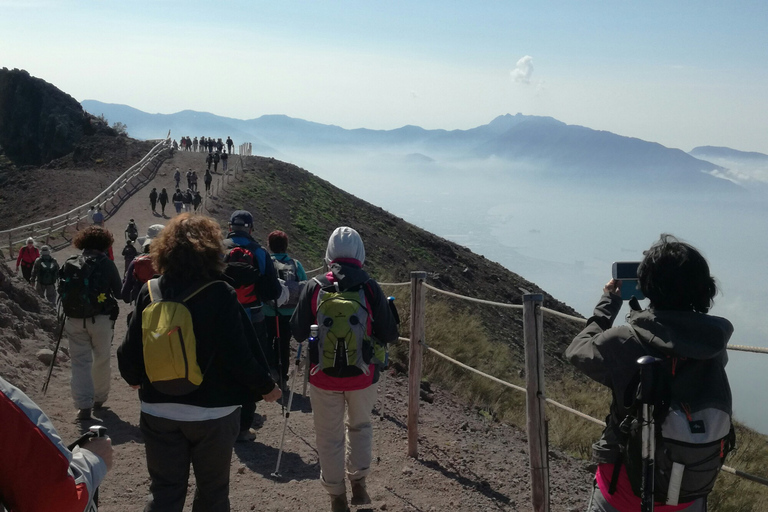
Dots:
(90, 326)
(201, 426)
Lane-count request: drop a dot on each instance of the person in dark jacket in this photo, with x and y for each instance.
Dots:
(129, 252)
(163, 198)
(254, 285)
(153, 199)
(352, 387)
(675, 277)
(90, 339)
(178, 200)
(200, 426)
(45, 273)
(207, 179)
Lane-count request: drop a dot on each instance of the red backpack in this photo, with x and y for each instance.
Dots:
(143, 270)
(243, 270)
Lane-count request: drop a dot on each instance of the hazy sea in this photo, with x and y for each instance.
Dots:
(564, 237)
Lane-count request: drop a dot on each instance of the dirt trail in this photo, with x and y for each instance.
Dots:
(466, 461)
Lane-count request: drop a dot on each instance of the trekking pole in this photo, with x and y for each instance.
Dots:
(94, 431)
(391, 302)
(277, 347)
(312, 338)
(62, 319)
(648, 447)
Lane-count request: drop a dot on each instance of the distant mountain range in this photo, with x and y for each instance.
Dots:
(553, 149)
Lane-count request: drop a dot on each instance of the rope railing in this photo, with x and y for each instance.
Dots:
(60, 222)
(417, 282)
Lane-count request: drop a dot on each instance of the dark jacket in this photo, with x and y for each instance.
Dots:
(225, 337)
(348, 275)
(163, 197)
(267, 286)
(609, 354)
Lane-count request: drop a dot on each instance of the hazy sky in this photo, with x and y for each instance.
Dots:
(681, 73)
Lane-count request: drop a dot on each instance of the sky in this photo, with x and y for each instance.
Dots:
(683, 73)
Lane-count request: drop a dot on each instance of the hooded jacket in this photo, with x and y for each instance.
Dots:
(609, 354)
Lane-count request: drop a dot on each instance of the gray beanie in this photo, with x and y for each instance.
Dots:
(345, 242)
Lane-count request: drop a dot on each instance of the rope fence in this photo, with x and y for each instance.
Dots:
(540, 491)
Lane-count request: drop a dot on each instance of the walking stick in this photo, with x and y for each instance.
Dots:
(62, 319)
(648, 448)
(393, 309)
(312, 338)
(277, 347)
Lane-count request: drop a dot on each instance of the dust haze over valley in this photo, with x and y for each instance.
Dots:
(554, 203)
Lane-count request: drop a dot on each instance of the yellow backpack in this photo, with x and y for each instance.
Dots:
(170, 348)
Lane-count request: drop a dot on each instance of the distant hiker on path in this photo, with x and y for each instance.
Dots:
(199, 427)
(207, 179)
(177, 177)
(153, 199)
(26, 258)
(229, 144)
(691, 346)
(194, 181)
(209, 160)
(224, 158)
(163, 198)
(98, 217)
(194, 144)
(91, 310)
(216, 158)
(131, 231)
(335, 386)
(187, 201)
(197, 199)
(178, 200)
(129, 252)
(45, 272)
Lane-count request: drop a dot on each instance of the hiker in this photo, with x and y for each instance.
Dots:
(26, 258)
(194, 181)
(45, 272)
(207, 179)
(209, 160)
(200, 426)
(254, 278)
(39, 472)
(187, 201)
(163, 198)
(129, 252)
(131, 231)
(175, 145)
(177, 177)
(88, 285)
(224, 158)
(194, 144)
(178, 200)
(278, 321)
(98, 217)
(219, 145)
(229, 144)
(331, 386)
(189, 178)
(140, 269)
(676, 328)
(203, 144)
(197, 200)
(153, 199)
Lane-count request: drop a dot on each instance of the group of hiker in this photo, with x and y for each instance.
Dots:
(233, 308)
(205, 144)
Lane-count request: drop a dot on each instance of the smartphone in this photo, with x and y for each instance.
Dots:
(626, 272)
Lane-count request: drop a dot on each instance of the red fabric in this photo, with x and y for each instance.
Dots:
(624, 498)
(110, 254)
(34, 472)
(27, 256)
(143, 270)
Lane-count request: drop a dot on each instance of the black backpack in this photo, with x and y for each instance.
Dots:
(82, 288)
(243, 269)
(47, 275)
(693, 430)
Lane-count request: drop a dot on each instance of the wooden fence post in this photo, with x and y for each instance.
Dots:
(418, 299)
(48, 236)
(535, 400)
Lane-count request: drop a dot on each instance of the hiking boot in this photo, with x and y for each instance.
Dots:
(339, 503)
(98, 405)
(359, 494)
(245, 436)
(84, 414)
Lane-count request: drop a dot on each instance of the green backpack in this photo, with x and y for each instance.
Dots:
(344, 332)
(170, 347)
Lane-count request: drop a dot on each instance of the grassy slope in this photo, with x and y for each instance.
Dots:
(282, 196)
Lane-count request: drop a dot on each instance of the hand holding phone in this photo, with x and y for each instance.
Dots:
(626, 272)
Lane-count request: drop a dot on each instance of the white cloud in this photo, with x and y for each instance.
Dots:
(523, 70)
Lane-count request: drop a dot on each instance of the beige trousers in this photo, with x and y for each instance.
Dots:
(90, 350)
(328, 414)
